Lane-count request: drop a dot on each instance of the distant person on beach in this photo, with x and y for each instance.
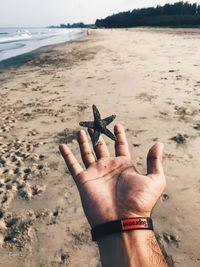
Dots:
(118, 200)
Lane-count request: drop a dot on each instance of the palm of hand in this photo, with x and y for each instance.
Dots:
(116, 191)
(110, 187)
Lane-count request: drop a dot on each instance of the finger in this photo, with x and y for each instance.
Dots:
(154, 160)
(86, 152)
(121, 145)
(72, 164)
(100, 147)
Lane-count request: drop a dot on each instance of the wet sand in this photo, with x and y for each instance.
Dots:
(150, 80)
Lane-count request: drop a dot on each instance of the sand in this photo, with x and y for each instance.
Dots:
(150, 79)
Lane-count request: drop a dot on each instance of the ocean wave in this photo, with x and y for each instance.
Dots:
(20, 41)
(25, 35)
(15, 38)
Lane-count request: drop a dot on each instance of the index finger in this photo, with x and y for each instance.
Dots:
(72, 164)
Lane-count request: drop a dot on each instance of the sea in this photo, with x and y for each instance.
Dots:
(18, 41)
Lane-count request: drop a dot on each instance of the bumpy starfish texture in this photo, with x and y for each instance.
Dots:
(99, 125)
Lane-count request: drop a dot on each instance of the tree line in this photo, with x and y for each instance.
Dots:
(177, 14)
(72, 26)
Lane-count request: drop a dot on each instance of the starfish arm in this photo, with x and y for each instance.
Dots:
(88, 124)
(108, 120)
(95, 137)
(96, 113)
(109, 134)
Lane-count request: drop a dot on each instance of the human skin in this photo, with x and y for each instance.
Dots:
(110, 189)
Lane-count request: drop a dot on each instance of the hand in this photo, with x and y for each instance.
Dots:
(110, 187)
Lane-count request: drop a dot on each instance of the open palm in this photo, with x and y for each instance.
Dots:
(110, 187)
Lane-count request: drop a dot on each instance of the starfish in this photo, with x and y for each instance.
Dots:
(99, 125)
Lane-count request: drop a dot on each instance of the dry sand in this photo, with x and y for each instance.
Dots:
(150, 80)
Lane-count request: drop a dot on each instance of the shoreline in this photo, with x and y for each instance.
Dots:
(150, 80)
(24, 58)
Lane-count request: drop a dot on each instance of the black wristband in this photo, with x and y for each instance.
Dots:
(127, 224)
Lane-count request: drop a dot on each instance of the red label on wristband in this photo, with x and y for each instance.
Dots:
(135, 223)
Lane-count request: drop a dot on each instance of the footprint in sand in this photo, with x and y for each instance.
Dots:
(180, 139)
(17, 230)
(171, 239)
(18, 164)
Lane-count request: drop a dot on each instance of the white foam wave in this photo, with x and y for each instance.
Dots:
(20, 41)
(15, 38)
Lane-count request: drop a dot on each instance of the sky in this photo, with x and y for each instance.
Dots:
(38, 13)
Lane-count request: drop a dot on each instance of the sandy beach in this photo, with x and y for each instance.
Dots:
(150, 79)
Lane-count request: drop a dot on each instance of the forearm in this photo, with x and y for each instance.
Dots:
(137, 248)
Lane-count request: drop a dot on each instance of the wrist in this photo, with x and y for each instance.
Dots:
(125, 249)
(122, 225)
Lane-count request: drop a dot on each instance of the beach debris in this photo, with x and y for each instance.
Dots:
(179, 139)
(99, 125)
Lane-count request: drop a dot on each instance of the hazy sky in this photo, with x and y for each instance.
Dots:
(53, 12)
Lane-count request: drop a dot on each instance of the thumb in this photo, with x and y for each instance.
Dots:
(154, 160)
